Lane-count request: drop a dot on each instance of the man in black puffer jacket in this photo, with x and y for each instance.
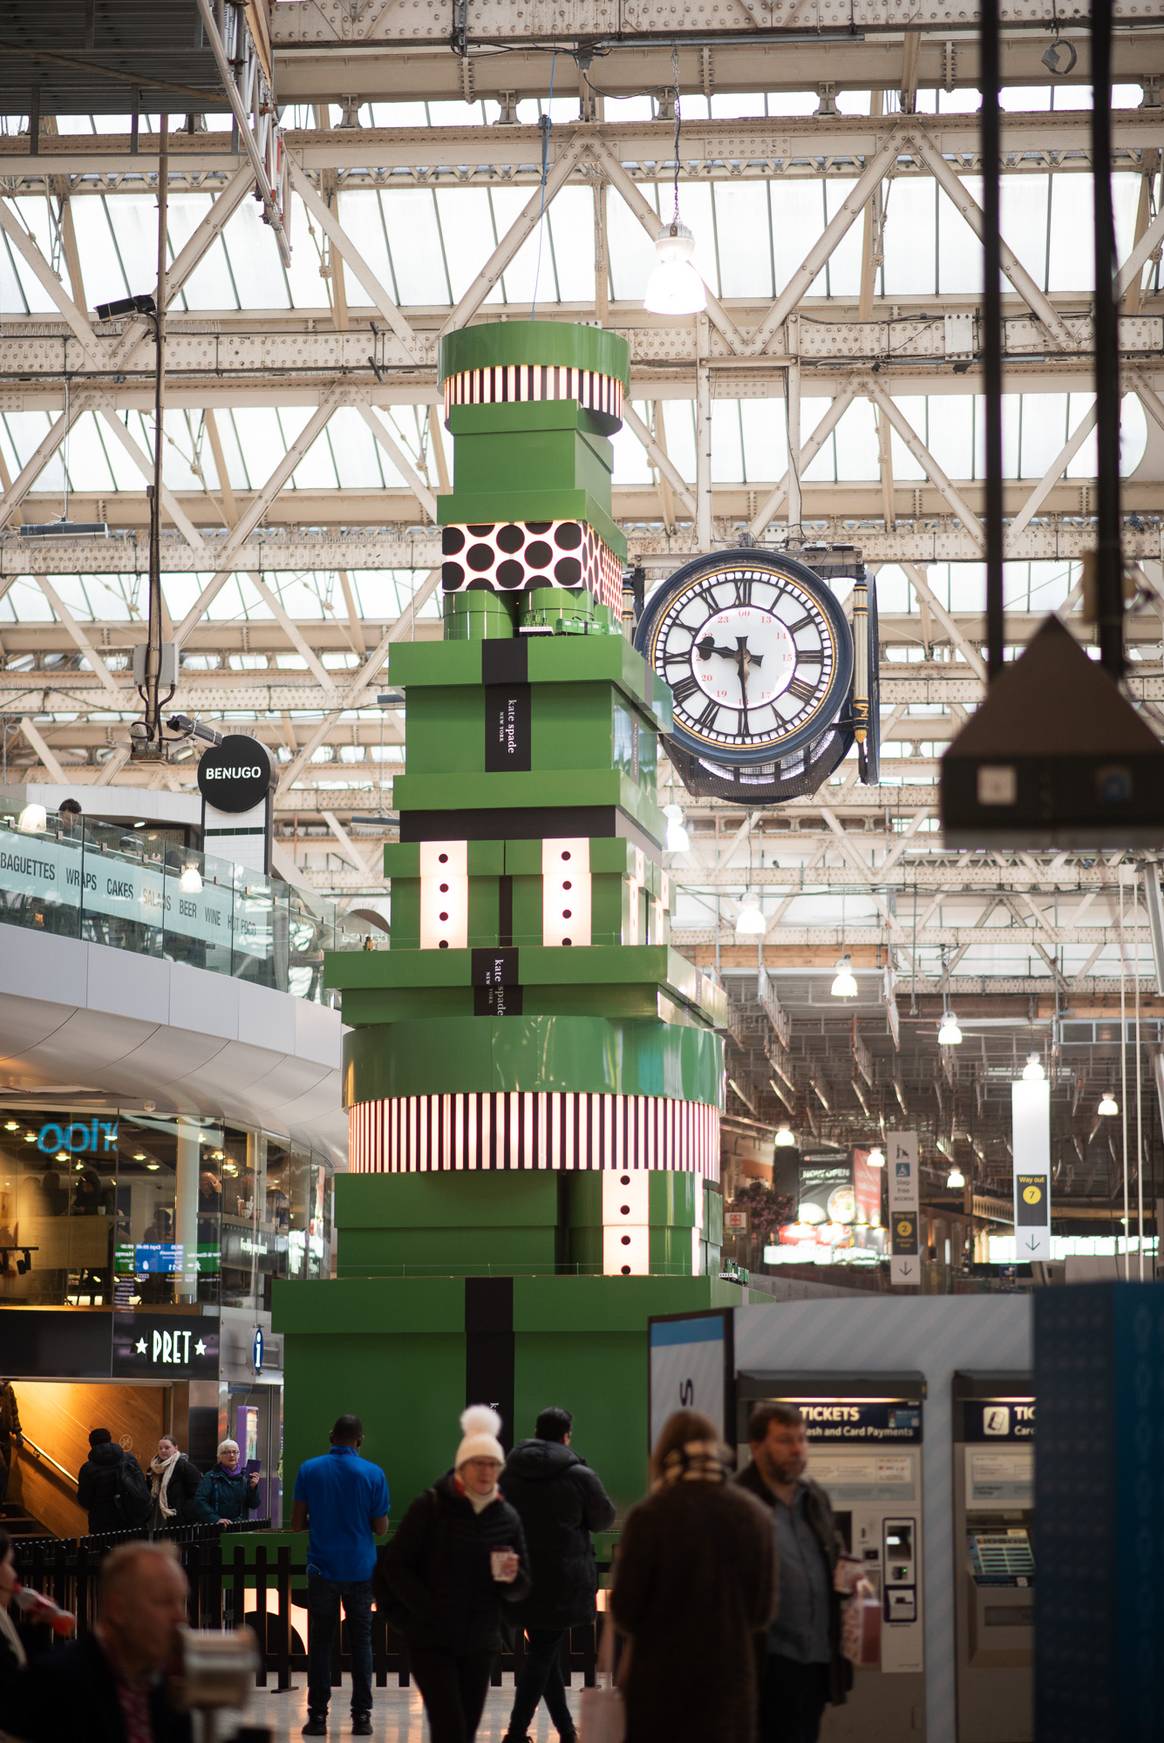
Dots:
(560, 1502)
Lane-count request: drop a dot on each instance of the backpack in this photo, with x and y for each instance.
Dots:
(131, 1497)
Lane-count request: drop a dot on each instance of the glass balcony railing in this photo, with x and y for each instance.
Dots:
(138, 891)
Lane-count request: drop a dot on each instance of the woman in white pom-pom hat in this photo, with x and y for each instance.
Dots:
(454, 1567)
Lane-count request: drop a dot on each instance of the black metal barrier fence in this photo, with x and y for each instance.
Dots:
(257, 1585)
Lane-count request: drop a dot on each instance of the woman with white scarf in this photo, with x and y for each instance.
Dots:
(173, 1484)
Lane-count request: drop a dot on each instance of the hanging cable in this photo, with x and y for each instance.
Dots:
(1139, 1130)
(678, 131)
(546, 124)
(1124, 1071)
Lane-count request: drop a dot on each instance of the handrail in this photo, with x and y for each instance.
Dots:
(38, 1452)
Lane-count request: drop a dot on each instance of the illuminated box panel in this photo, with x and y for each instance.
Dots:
(529, 383)
(533, 1130)
(444, 895)
(566, 891)
(522, 556)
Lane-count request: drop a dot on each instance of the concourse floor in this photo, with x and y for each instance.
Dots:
(397, 1715)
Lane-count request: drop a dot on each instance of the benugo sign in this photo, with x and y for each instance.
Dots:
(235, 775)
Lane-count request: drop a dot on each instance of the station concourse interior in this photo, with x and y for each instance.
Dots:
(582, 794)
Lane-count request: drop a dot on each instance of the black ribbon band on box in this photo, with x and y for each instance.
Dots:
(496, 992)
(508, 720)
(508, 705)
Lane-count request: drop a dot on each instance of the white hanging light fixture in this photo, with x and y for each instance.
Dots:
(1033, 1069)
(876, 1157)
(1108, 1105)
(191, 880)
(678, 840)
(785, 1138)
(750, 921)
(844, 981)
(675, 287)
(949, 1035)
(955, 1179)
(33, 819)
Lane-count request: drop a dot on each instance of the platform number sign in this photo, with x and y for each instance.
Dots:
(904, 1243)
(690, 1368)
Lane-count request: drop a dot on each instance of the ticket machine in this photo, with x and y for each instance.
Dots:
(994, 1567)
(865, 1448)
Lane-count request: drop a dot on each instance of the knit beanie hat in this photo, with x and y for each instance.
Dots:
(480, 1426)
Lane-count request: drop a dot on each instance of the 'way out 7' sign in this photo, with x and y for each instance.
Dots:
(904, 1243)
(1031, 1131)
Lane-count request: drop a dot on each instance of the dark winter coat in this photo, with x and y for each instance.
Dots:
(98, 1487)
(9, 1413)
(185, 1481)
(434, 1579)
(559, 1501)
(818, 1515)
(71, 1693)
(224, 1495)
(694, 1583)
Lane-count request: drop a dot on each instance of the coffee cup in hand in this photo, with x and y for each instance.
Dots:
(503, 1564)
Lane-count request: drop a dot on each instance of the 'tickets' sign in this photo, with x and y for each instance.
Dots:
(235, 775)
(164, 1346)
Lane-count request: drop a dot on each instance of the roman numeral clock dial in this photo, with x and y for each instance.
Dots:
(757, 652)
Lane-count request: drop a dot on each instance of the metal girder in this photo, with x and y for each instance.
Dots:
(716, 148)
(246, 81)
(935, 539)
(278, 357)
(327, 48)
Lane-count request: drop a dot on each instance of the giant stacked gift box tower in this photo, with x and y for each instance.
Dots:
(533, 1076)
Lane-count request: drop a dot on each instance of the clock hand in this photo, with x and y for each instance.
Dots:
(742, 658)
(707, 647)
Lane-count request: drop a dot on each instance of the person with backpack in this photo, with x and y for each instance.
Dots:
(559, 1501)
(111, 1487)
(457, 1563)
(226, 1494)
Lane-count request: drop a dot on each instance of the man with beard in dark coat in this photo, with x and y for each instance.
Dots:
(560, 1502)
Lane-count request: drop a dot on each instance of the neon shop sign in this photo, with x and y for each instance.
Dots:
(78, 1137)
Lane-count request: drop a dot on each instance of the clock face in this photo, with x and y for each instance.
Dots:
(756, 650)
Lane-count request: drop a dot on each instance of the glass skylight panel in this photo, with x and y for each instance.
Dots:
(210, 285)
(844, 266)
(1044, 431)
(254, 259)
(307, 287)
(631, 465)
(571, 229)
(414, 240)
(894, 593)
(910, 238)
(855, 443)
(951, 437)
(727, 460)
(356, 455)
(822, 469)
(765, 439)
(468, 232)
(679, 423)
(745, 239)
(631, 252)
(796, 225)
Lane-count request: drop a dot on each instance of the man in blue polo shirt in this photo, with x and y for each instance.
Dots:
(341, 1501)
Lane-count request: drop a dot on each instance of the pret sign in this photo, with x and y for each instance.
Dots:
(165, 1346)
(235, 775)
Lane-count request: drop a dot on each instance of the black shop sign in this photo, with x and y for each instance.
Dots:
(164, 1346)
(235, 775)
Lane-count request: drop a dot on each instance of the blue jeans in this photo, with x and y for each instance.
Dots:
(323, 1609)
